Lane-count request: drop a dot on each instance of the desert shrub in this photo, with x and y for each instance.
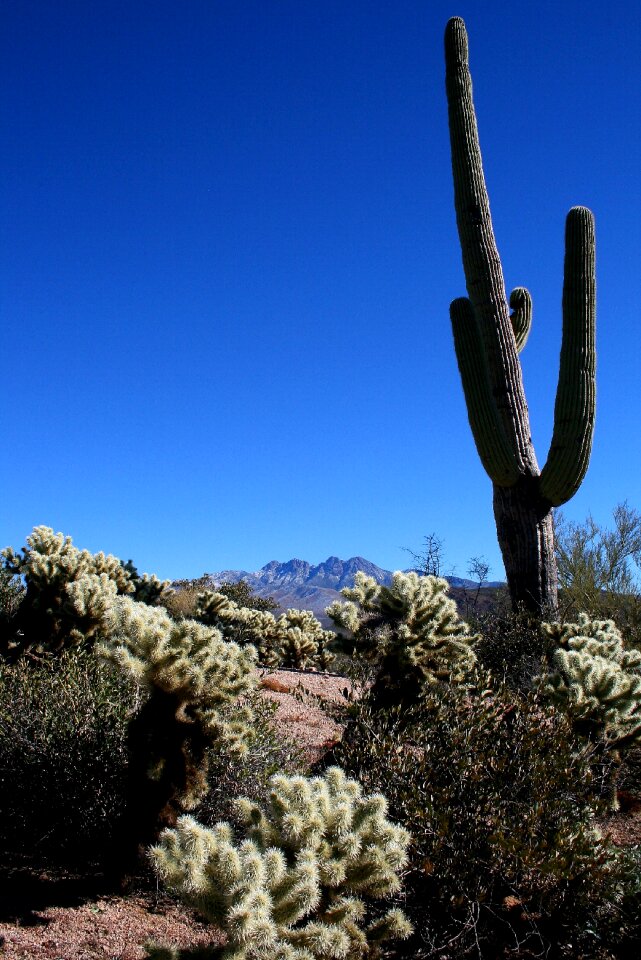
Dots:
(243, 596)
(181, 604)
(297, 886)
(511, 645)
(500, 802)
(411, 630)
(63, 755)
(599, 570)
(11, 594)
(294, 639)
(625, 930)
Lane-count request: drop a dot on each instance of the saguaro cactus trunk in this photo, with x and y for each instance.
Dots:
(489, 333)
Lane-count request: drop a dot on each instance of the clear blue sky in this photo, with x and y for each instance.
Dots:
(228, 252)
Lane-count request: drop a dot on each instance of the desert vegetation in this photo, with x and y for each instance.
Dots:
(465, 807)
(481, 799)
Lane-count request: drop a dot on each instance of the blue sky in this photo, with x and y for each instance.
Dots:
(229, 252)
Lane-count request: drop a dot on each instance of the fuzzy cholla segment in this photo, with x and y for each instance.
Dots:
(186, 660)
(596, 680)
(413, 623)
(292, 889)
(295, 639)
(68, 596)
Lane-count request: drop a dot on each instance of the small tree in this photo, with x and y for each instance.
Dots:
(411, 628)
(599, 569)
(184, 601)
(243, 596)
(296, 887)
(429, 562)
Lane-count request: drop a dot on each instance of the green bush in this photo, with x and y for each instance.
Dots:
(183, 602)
(63, 755)
(511, 644)
(599, 570)
(11, 595)
(500, 804)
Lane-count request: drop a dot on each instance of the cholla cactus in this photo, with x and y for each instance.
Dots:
(596, 680)
(294, 889)
(413, 626)
(301, 641)
(151, 590)
(68, 596)
(240, 624)
(295, 639)
(192, 676)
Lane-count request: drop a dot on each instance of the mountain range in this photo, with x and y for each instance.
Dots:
(303, 585)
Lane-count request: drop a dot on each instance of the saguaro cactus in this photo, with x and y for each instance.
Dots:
(488, 338)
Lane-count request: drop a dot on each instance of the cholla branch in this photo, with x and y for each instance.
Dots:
(68, 597)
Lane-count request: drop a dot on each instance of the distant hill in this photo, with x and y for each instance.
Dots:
(300, 584)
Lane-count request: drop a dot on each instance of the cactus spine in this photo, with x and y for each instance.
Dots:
(487, 340)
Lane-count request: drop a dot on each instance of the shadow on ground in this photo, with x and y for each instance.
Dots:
(26, 890)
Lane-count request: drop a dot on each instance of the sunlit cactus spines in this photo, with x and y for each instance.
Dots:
(192, 677)
(240, 624)
(488, 338)
(596, 680)
(68, 596)
(298, 886)
(412, 627)
(301, 641)
(294, 639)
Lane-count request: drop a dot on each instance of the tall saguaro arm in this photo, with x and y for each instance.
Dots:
(575, 405)
(489, 332)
